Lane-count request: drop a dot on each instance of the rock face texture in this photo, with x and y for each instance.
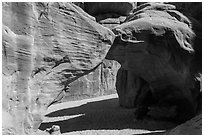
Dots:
(55, 52)
(191, 127)
(102, 80)
(157, 47)
(46, 46)
(184, 7)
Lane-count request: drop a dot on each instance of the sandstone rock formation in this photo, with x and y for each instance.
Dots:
(46, 46)
(195, 9)
(57, 52)
(156, 50)
(108, 12)
(191, 127)
(102, 80)
(195, 17)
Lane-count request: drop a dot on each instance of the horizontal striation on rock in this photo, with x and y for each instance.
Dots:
(46, 46)
(55, 51)
(84, 43)
(100, 81)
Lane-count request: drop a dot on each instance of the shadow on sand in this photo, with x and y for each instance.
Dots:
(102, 115)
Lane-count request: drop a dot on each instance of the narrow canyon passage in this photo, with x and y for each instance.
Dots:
(101, 68)
(100, 115)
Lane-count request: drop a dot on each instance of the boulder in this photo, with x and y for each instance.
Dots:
(46, 46)
(159, 50)
(54, 130)
(169, 14)
(171, 11)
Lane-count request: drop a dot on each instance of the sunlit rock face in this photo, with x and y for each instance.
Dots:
(46, 46)
(102, 80)
(55, 52)
(156, 48)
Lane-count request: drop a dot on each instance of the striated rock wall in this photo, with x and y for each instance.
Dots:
(54, 52)
(102, 80)
(46, 46)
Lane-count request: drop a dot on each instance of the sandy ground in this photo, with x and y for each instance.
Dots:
(100, 116)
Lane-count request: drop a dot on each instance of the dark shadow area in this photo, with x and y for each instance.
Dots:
(101, 115)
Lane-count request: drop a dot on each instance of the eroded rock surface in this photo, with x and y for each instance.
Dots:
(191, 127)
(55, 52)
(46, 46)
(156, 52)
(102, 80)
